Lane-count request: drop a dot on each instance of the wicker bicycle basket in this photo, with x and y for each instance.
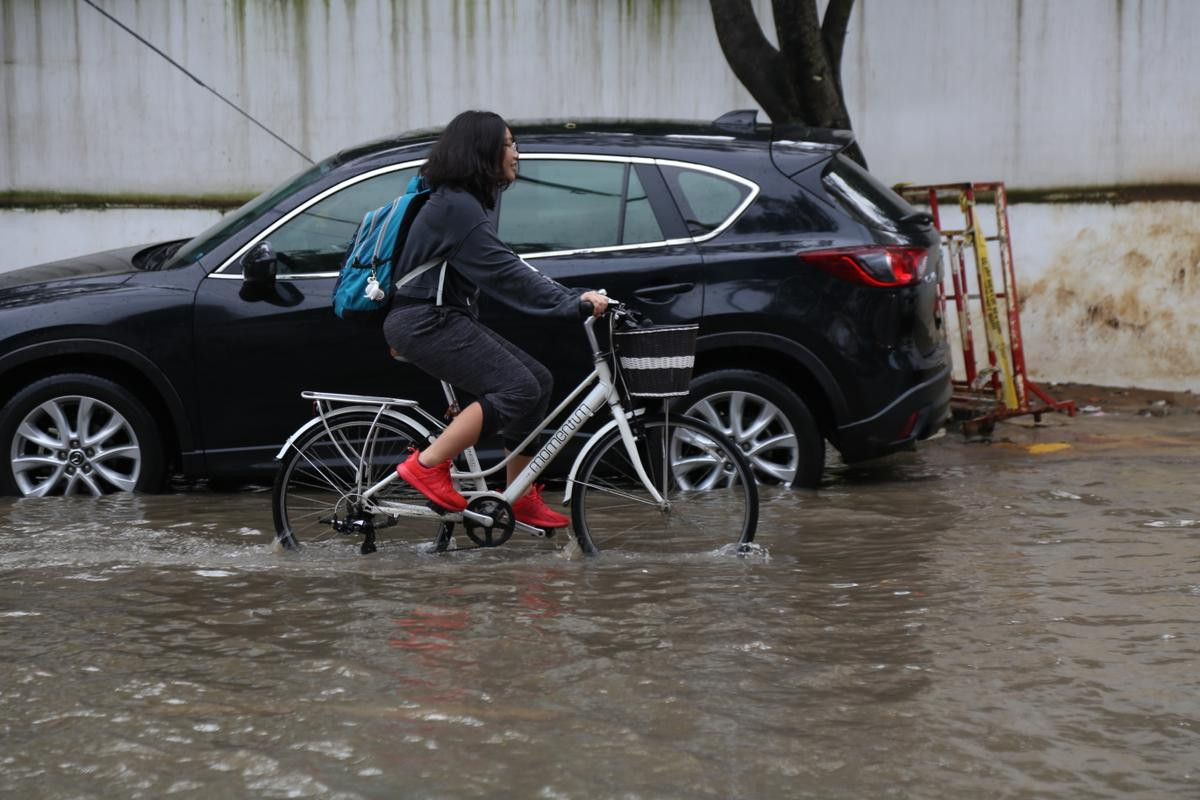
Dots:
(657, 361)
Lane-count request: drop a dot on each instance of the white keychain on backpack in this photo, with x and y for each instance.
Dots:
(373, 291)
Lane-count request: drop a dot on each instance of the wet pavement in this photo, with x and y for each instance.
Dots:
(1018, 619)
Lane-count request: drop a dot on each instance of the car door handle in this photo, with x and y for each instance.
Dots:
(663, 292)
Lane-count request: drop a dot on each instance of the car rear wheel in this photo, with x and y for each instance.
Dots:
(78, 434)
(768, 421)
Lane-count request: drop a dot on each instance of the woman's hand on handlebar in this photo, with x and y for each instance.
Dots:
(597, 301)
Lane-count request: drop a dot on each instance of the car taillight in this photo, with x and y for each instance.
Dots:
(872, 266)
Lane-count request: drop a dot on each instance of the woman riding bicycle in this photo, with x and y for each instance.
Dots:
(473, 160)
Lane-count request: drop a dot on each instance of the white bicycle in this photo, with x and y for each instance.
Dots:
(642, 481)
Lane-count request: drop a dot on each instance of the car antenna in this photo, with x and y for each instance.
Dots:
(741, 120)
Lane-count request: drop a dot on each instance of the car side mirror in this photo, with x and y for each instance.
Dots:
(258, 266)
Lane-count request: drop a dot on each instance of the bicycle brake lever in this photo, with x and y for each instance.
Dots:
(631, 319)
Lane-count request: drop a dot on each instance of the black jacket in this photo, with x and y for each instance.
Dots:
(454, 225)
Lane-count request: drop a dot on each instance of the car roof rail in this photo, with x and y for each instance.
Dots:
(745, 119)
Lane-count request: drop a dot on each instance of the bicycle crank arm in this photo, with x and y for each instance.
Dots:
(521, 527)
(482, 519)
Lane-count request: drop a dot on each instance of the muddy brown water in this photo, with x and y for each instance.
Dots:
(1019, 619)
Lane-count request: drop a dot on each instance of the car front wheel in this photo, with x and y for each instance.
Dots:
(768, 421)
(78, 434)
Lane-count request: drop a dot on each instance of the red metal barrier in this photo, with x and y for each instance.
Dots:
(1002, 388)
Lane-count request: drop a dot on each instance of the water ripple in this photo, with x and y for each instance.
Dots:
(958, 623)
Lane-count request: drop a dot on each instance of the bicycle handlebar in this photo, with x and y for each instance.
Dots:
(624, 315)
(587, 308)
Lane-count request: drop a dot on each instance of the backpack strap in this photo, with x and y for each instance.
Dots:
(421, 270)
(442, 282)
(417, 271)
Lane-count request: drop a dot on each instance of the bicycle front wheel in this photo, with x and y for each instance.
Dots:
(317, 498)
(711, 500)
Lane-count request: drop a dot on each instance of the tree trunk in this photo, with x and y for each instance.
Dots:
(800, 82)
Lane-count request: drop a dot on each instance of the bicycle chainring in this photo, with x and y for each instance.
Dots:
(502, 517)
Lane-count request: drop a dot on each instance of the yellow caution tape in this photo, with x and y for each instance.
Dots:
(991, 311)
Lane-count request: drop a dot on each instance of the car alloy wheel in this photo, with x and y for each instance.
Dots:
(759, 428)
(75, 445)
(698, 465)
(78, 434)
(768, 421)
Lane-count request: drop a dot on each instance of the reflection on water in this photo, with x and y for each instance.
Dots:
(965, 621)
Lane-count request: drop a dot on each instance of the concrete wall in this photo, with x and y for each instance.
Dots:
(1108, 293)
(1037, 93)
(322, 75)
(1069, 94)
(35, 236)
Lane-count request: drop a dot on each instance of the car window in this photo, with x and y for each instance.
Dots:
(316, 239)
(235, 220)
(706, 200)
(562, 205)
(575, 205)
(863, 196)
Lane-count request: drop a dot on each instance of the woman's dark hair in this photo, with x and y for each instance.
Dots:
(468, 156)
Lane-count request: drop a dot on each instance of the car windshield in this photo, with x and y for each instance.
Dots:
(234, 221)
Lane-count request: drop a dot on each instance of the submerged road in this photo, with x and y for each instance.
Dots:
(1016, 619)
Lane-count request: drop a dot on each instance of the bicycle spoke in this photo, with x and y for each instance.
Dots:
(618, 493)
(332, 480)
(707, 483)
(317, 494)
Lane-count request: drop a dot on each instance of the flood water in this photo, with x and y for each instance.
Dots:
(967, 621)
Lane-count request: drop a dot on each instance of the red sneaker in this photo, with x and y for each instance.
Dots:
(532, 510)
(433, 482)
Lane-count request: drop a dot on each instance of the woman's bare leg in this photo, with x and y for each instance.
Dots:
(516, 465)
(462, 432)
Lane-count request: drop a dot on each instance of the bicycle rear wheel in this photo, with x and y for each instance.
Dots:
(318, 489)
(712, 500)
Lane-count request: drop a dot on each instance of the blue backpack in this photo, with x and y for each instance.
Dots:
(367, 281)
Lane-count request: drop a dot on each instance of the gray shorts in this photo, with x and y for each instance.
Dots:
(448, 343)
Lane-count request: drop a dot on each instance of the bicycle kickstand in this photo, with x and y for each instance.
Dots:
(368, 531)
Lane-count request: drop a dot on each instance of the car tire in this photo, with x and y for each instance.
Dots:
(767, 420)
(111, 442)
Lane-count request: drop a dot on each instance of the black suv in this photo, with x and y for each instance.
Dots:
(815, 287)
